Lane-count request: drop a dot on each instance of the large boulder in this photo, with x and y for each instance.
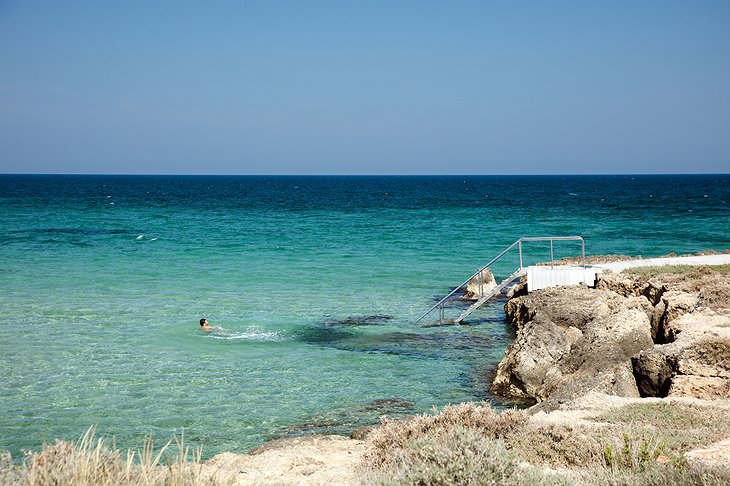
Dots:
(668, 335)
(572, 340)
(631, 285)
(567, 306)
(480, 284)
(704, 387)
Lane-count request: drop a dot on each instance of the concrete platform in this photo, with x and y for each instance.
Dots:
(540, 277)
(659, 262)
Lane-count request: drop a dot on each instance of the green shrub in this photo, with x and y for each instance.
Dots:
(633, 455)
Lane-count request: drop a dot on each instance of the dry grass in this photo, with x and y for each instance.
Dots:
(670, 429)
(689, 271)
(667, 415)
(656, 474)
(90, 462)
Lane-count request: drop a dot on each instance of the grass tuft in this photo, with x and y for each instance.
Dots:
(90, 462)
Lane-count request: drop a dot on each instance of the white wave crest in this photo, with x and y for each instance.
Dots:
(252, 333)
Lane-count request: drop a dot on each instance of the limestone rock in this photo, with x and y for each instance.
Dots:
(673, 305)
(631, 335)
(631, 285)
(717, 454)
(479, 285)
(707, 357)
(576, 340)
(518, 290)
(568, 306)
(313, 459)
(523, 371)
(715, 296)
(704, 387)
(700, 324)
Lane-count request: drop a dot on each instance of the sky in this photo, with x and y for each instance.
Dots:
(365, 87)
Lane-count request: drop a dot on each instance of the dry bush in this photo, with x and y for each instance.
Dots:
(393, 436)
(638, 444)
(556, 445)
(460, 456)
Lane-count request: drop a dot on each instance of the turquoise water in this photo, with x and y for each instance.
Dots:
(316, 280)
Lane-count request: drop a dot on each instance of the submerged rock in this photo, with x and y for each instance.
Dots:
(363, 320)
(385, 405)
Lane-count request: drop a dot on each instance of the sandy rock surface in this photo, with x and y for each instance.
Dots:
(715, 454)
(310, 460)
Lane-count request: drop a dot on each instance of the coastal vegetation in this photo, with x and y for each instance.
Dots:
(638, 443)
(93, 462)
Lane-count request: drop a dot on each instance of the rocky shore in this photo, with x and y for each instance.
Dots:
(630, 382)
(634, 334)
(643, 353)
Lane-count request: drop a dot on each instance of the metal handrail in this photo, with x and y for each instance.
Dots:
(517, 243)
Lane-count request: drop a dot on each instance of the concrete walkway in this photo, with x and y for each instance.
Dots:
(660, 262)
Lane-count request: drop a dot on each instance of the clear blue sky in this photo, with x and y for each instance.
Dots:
(369, 87)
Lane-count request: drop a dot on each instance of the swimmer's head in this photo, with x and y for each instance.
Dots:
(203, 322)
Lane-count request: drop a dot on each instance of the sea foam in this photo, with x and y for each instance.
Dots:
(252, 333)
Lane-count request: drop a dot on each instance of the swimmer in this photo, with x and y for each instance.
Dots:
(205, 326)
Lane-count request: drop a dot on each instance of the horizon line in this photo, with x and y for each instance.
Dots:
(202, 174)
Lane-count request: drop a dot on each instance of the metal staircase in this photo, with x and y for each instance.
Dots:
(495, 291)
(441, 305)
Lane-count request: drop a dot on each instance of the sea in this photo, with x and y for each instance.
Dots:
(317, 283)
